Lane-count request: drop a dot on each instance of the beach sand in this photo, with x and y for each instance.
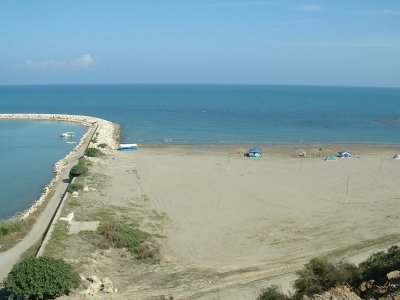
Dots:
(228, 212)
(230, 225)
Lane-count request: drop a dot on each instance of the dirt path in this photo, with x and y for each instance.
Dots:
(10, 257)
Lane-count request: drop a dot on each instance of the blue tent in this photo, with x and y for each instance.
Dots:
(344, 154)
(255, 152)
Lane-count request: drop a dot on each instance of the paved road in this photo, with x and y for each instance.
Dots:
(10, 257)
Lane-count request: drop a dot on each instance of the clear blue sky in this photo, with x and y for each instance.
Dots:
(337, 42)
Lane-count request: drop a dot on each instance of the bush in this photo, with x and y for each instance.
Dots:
(40, 278)
(78, 170)
(148, 250)
(320, 275)
(93, 152)
(122, 235)
(380, 263)
(272, 293)
(75, 187)
(103, 145)
(11, 226)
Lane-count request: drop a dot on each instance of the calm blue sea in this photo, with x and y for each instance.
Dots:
(221, 114)
(28, 152)
(199, 114)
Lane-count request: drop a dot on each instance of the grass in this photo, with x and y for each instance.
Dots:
(119, 234)
(85, 162)
(12, 231)
(158, 216)
(98, 181)
(11, 226)
(75, 187)
(93, 152)
(58, 238)
(122, 235)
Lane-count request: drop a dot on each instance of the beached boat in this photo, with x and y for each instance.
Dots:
(67, 134)
(126, 147)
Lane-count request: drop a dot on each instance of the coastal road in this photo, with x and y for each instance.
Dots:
(12, 256)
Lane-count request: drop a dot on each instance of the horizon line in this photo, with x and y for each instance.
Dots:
(198, 84)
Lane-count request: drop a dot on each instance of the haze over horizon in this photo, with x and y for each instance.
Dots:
(201, 42)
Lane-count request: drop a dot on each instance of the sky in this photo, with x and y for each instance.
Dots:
(331, 42)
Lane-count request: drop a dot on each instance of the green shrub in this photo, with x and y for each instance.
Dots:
(40, 278)
(122, 235)
(103, 145)
(93, 152)
(75, 187)
(78, 170)
(380, 263)
(11, 226)
(272, 293)
(319, 275)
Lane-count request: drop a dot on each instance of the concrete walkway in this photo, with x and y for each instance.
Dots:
(12, 256)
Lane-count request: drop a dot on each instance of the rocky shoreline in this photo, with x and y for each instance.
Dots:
(105, 133)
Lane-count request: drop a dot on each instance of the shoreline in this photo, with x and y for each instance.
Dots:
(313, 151)
(107, 132)
(110, 133)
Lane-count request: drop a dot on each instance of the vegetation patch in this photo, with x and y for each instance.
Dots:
(12, 231)
(78, 170)
(12, 226)
(320, 275)
(40, 278)
(273, 292)
(98, 181)
(122, 235)
(102, 145)
(85, 162)
(93, 152)
(57, 239)
(75, 187)
(380, 263)
(158, 216)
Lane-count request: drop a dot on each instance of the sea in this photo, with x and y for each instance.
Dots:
(186, 114)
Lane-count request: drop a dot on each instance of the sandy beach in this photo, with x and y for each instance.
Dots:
(230, 225)
(229, 212)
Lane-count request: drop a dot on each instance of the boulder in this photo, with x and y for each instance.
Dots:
(86, 188)
(94, 278)
(367, 285)
(338, 293)
(107, 285)
(92, 289)
(393, 275)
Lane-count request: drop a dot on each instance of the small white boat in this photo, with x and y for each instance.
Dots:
(70, 142)
(67, 134)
